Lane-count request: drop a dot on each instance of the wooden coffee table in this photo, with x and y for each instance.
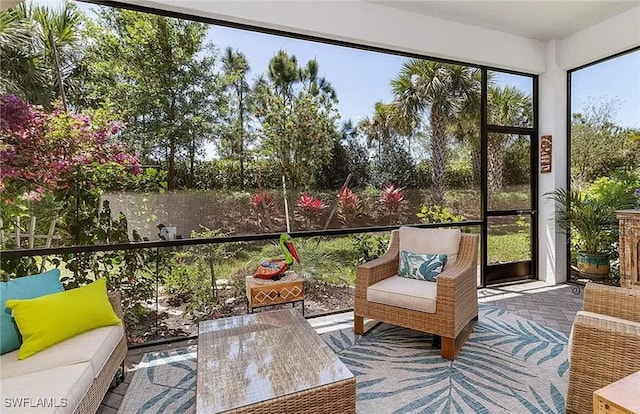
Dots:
(269, 362)
(261, 292)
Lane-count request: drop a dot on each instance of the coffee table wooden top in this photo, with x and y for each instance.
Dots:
(250, 359)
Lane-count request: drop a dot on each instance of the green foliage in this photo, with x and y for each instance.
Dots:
(460, 171)
(297, 111)
(167, 73)
(320, 265)
(598, 145)
(367, 247)
(438, 214)
(591, 220)
(619, 186)
(194, 279)
(28, 68)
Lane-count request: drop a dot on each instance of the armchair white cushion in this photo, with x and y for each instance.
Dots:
(431, 241)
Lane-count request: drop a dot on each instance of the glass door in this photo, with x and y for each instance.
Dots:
(509, 178)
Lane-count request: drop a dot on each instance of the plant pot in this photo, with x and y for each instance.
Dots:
(593, 266)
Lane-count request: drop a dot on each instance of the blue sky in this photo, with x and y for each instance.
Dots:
(362, 78)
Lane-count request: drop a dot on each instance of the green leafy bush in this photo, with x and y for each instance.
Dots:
(438, 214)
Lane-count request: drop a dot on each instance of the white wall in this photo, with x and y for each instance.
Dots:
(552, 114)
(617, 34)
(375, 25)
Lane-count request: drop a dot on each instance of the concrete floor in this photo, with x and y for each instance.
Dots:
(554, 306)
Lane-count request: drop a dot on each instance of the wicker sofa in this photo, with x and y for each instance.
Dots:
(455, 296)
(604, 343)
(70, 377)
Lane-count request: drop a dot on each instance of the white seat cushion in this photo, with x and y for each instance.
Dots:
(95, 346)
(417, 295)
(57, 390)
(431, 241)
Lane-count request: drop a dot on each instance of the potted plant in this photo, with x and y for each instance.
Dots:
(592, 223)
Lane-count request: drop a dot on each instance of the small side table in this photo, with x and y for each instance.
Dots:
(261, 292)
(620, 397)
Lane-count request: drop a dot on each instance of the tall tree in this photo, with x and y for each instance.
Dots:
(235, 138)
(160, 75)
(39, 49)
(433, 92)
(296, 109)
(598, 145)
(508, 106)
(381, 128)
(466, 125)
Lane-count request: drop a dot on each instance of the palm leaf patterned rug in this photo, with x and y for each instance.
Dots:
(508, 365)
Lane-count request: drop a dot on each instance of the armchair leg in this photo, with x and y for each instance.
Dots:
(358, 325)
(451, 346)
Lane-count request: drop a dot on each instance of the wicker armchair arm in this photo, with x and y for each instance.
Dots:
(612, 301)
(115, 298)
(381, 268)
(603, 351)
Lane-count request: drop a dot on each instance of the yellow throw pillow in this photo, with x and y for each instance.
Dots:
(50, 319)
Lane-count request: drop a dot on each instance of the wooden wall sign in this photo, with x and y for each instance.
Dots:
(545, 154)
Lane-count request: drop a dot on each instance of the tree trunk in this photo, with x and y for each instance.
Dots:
(496, 163)
(438, 156)
(241, 135)
(476, 163)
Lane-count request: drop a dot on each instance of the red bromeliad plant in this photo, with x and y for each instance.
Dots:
(262, 203)
(262, 200)
(392, 199)
(349, 206)
(310, 208)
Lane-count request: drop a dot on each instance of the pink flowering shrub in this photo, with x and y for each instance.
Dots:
(69, 159)
(45, 152)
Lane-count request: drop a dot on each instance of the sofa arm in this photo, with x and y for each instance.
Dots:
(613, 301)
(115, 298)
(603, 350)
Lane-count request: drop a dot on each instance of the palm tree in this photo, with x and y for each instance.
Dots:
(437, 90)
(508, 106)
(381, 127)
(236, 69)
(39, 48)
(466, 126)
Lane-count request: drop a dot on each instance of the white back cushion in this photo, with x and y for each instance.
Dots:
(433, 241)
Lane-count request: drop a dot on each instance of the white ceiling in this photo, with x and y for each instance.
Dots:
(542, 20)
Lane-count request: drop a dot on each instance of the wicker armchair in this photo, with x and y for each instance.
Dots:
(456, 310)
(605, 343)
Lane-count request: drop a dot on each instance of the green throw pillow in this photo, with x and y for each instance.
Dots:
(26, 287)
(50, 319)
(421, 266)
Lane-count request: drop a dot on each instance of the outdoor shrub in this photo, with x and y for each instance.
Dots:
(460, 174)
(310, 208)
(320, 262)
(620, 186)
(349, 206)
(392, 199)
(438, 214)
(367, 247)
(194, 280)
